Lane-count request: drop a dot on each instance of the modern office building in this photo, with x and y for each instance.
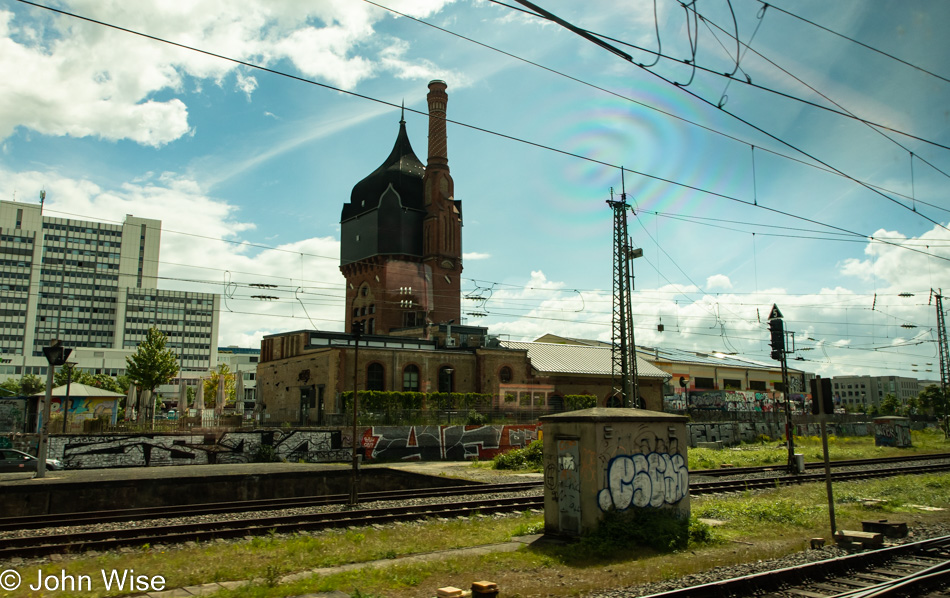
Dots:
(93, 286)
(862, 392)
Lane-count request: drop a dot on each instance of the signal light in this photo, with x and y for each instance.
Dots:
(822, 399)
(777, 332)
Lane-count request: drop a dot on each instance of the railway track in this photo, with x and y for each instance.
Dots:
(906, 570)
(731, 471)
(32, 546)
(146, 513)
(77, 541)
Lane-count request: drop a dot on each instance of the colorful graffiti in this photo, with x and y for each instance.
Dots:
(87, 407)
(644, 481)
(444, 443)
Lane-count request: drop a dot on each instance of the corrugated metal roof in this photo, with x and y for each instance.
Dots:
(551, 358)
(714, 359)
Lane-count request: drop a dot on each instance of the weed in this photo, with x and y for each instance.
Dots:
(272, 576)
(529, 457)
(528, 529)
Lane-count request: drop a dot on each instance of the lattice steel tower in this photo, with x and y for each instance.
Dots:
(623, 348)
(944, 357)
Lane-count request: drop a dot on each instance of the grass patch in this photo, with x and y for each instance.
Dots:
(755, 526)
(767, 452)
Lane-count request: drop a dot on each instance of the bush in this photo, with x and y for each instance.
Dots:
(575, 402)
(265, 454)
(529, 457)
(663, 530)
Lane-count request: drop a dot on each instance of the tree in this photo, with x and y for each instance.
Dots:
(932, 400)
(890, 405)
(211, 387)
(152, 364)
(27, 385)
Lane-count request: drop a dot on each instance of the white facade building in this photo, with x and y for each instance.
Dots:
(93, 285)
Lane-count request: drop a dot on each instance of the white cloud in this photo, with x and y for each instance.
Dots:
(201, 251)
(60, 76)
(475, 255)
(718, 281)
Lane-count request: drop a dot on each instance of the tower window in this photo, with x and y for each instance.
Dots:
(445, 379)
(410, 378)
(505, 375)
(375, 377)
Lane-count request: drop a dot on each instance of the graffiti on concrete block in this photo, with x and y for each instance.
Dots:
(650, 480)
(890, 432)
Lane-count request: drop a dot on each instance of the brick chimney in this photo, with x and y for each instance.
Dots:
(438, 144)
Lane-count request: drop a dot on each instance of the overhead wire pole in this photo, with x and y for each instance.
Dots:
(944, 361)
(623, 351)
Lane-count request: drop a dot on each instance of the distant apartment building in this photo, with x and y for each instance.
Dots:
(863, 392)
(92, 285)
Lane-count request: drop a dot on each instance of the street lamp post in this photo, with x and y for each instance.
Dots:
(56, 354)
(69, 378)
(357, 329)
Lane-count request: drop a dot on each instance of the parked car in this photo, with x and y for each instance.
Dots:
(12, 460)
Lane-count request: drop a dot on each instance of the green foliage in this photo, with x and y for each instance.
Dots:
(29, 384)
(265, 453)
(932, 401)
(103, 381)
(211, 387)
(476, 419)
(660, 529)
(890, 405)
(457, 401)
(152, 364)
(529, 457)
(575, 402)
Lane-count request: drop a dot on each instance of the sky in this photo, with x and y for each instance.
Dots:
(805, 166)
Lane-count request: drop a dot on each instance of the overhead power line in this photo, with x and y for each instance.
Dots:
(775, 137)
(852, 40)
(496, 133)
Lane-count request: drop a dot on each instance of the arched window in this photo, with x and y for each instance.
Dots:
(410, 378)
(375, 377)
(446, 378)
(504, 375)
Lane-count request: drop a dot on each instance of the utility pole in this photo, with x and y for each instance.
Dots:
(944, 359)
(623, 346)
(777, 335)
(357, 329)
(56, 354)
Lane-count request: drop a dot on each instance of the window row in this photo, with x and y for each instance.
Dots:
(376, 378)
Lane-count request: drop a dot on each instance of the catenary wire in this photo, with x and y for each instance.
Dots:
(484, 130)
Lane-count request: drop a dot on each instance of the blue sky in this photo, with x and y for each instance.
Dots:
(248, 170)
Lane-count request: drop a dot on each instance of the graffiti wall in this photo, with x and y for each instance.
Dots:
(12, 415)
(444, 443)
(746, 401)
(87, 408)
(151, 450)
(395, 443)
(730, 433)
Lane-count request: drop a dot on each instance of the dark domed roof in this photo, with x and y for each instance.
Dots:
(402, 169)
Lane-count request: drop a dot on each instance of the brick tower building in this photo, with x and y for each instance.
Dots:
(401, 236)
